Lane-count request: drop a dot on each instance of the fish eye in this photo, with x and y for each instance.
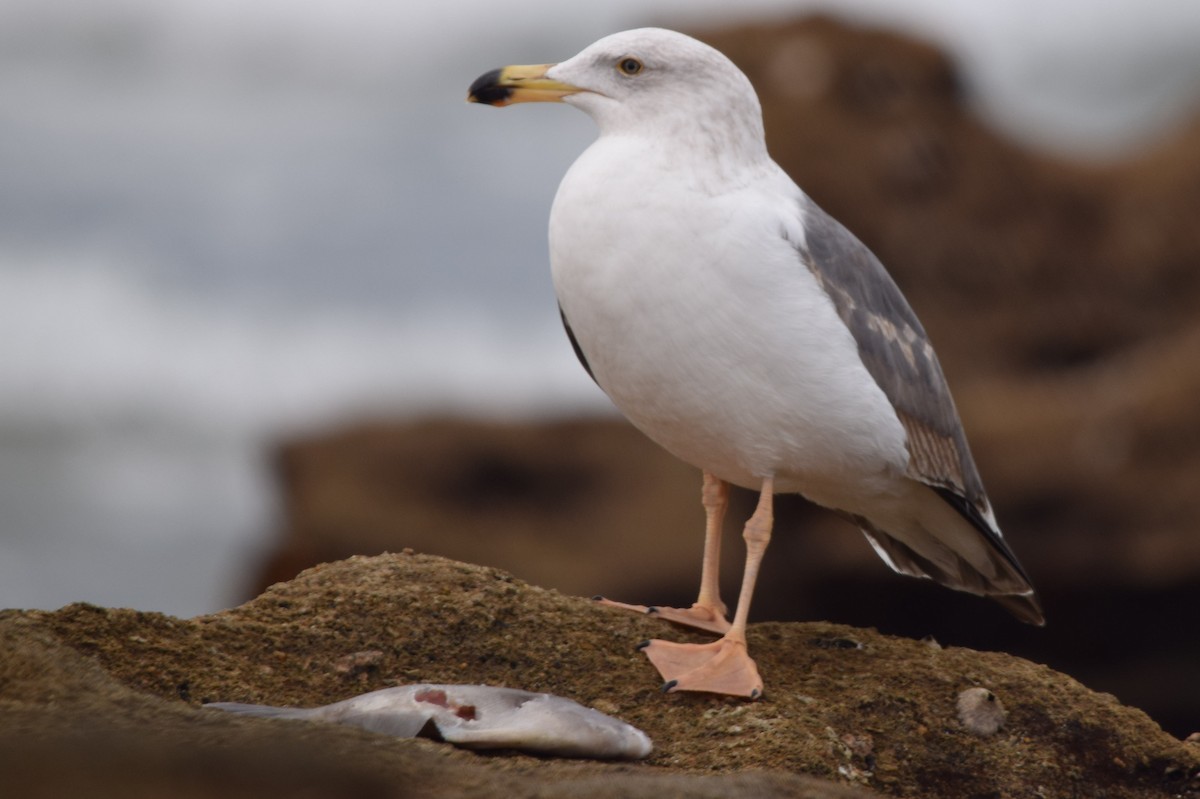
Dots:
(629, 66)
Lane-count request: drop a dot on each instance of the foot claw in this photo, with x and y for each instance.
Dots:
(702, 617)
(642, 645)
(709, 619)
(669, 686)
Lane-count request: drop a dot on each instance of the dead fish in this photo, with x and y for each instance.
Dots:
(475, 717)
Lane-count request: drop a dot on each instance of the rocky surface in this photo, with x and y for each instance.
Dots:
(1063, 299)
(103, 702)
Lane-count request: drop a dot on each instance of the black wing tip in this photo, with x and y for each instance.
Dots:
(1025, 607)
(1020, 600)
(969, 511)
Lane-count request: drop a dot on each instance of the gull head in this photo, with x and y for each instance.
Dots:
(648, 80)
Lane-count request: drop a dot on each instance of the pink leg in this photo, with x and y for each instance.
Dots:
(723, 666)
(708, 611)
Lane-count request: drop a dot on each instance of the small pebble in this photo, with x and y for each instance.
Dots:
(358, 663)
(981, 711)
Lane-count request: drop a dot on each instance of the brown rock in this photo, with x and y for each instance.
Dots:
(104, 702)
(558, 504)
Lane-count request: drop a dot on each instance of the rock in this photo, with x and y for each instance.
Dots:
(576, 492)
(102, 702)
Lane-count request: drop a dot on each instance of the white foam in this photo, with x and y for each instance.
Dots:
(100, 345)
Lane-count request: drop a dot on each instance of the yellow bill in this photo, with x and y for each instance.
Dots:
(518, 84)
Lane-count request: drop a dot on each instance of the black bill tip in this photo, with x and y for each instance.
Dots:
(487, 89)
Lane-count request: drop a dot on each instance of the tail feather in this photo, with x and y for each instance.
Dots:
(952, 571)
(937, 538)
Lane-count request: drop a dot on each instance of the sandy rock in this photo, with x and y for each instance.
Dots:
(85, 692)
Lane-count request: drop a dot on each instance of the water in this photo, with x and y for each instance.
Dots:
(222, 223)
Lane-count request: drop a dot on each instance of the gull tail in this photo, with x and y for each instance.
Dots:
(944, 538)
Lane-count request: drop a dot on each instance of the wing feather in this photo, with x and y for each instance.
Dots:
(897, 353)
(575, 343)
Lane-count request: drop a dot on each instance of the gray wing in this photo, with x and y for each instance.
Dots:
(897, 354)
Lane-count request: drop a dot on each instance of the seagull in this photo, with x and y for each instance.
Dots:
(750, 334)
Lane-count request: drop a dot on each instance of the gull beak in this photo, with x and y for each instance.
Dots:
(518, 84)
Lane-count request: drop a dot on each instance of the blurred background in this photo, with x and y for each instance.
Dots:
(272, 293)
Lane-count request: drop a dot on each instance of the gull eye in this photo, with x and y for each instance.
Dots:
(629, 66)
